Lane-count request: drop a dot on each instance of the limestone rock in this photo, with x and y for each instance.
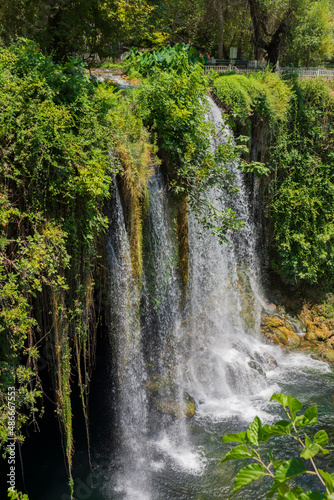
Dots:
(279, 331)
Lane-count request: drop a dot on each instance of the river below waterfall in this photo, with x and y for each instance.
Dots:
(166, 351)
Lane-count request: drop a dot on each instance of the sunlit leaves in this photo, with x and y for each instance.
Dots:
(254, 433)
(293, 404)
(329, 480)
(173, 104)
(321, 438)
(237, 453)
(248, 474)
(281, 471)
(240, 437)
(311, 449)
(289, 469)
(310, 417)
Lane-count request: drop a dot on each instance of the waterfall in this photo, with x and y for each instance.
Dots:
(126, 335)
(227, 360)
(209, 349)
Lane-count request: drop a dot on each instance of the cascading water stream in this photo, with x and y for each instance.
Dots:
(227, 361)
(210, 349)
(127, 343)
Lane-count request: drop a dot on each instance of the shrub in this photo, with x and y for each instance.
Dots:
(264, 93)
(282, 472)
(302, 206)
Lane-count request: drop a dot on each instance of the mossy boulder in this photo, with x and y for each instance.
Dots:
(317, 331)
(279, 331)
(165, 396)
(186, 408)
(190, 408)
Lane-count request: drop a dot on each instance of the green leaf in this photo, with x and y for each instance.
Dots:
(285, 400)
(248, 474)
(278, 463)
(238, 452)
(271, 456)
(283, 489)
(280, 428)
(287, 496)
(289, 469)
(321, 438)
(241, 437)
(328, 480)
(312, 495)
(299, 494)
(310, 417)
(254, 432)
(310, 451)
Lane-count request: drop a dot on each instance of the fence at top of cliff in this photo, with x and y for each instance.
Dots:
(308, 72)
(248, 67)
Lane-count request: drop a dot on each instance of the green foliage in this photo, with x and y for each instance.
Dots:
(263, 93)
(55, 168)
(17, 495)
(136, 154)
(177, 58)
(302, 208)
(282, 471)
(298, 31)
(83, 27)
(310, 40)
(61, 138)
(173, 104)
(300, 120)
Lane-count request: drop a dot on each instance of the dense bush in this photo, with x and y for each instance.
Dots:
(299, 151)
(264, 93)
(302, 208)
(173, 104)
(55, 172)
(179, 58)
(283, 473)
(57, 133)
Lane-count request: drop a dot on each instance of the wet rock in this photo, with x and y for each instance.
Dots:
(256, 366)
(164, 394)
(279, 331)
(266, 359)
(329, 356)
(177, 409)
(330, 342)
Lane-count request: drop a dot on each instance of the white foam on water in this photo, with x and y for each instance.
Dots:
(243, 408)
(131, 493)
(184, 457)
(157, 466)
(303, 362)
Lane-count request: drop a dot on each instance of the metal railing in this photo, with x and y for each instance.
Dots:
(300, 72)
(308, 72)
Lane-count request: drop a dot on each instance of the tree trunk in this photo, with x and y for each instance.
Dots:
(219, 9)
(261, 35)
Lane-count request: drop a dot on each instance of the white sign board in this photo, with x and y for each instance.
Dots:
(233, 52)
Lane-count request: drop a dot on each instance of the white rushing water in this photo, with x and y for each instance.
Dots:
(131, 375)
(209, 348)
